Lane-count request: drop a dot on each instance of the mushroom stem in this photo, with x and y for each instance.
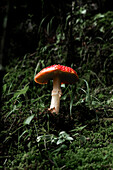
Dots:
(56, 94)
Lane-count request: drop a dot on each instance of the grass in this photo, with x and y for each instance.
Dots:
(77, 138)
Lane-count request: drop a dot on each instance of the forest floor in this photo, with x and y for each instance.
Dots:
(79, 137)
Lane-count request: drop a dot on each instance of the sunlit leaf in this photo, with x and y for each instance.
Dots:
(99, 16)
(28, 120)
(102, 29)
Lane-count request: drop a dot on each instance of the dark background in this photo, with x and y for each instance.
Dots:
(24, 17)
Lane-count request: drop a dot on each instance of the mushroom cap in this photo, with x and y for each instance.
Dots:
(67, 75)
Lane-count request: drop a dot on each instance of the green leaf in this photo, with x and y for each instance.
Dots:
(78, 129)
(22, 91)
(4, 88)
(28, 120)
(69, 138)
(12, 111)
(83, 139)
(60, 141)
(71, 104)
(83, 11)
(99, 16)
(26, 131)
(102, 29)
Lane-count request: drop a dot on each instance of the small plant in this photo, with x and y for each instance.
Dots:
(50, 138)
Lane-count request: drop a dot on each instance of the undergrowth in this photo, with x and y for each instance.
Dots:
(81, 135)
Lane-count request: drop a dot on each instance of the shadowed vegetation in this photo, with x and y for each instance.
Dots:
(81, 135)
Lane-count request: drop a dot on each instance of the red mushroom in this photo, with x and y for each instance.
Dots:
(60, 75)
